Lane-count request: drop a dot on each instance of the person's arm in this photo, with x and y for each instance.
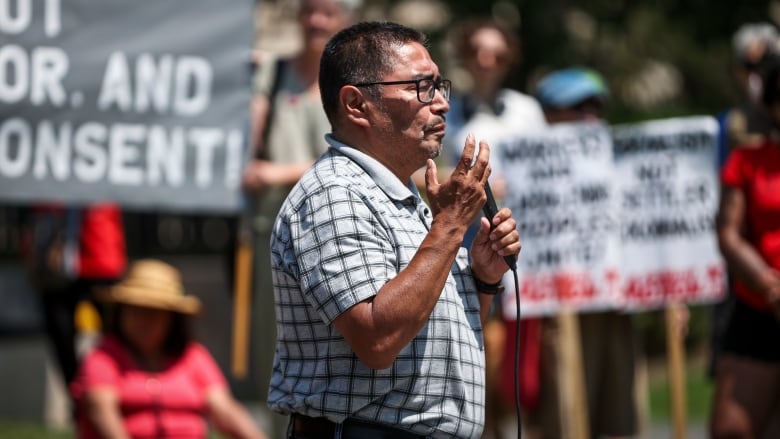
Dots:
(743, 259)
(260, 174)
(230, 417)
(102, 407)
(485, 302)
(259, 107)
(379, 328)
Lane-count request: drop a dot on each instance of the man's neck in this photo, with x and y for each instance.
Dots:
(370, 149)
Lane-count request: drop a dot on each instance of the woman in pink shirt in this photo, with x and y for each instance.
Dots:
(147, 378)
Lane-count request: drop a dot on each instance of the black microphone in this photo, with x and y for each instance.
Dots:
(490, 210)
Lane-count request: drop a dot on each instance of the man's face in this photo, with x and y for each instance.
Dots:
(320, 20)
(412, 130)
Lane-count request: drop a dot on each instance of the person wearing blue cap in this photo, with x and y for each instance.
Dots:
(573, 94)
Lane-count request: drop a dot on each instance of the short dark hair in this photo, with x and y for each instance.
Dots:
(360, 53)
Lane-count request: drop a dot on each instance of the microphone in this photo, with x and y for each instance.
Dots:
(490, 210)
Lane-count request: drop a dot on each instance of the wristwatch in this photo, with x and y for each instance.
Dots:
(486, 288)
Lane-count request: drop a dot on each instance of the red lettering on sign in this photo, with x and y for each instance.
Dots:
(663, 285)
(565, 287)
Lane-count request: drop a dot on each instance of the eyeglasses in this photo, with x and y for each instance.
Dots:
(426, 87)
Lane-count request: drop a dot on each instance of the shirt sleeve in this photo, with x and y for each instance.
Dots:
(735, 172)
(345, 255)
(99, 369)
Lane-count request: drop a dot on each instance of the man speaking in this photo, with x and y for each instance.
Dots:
(378, 308)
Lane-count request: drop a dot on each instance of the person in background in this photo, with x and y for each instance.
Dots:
(490, 52)
(754, 45)
(147, 377)
(608, 342)
(288, 126)
(747, 380)
(572, 95)
(71, 252)
(379, 308)
(747, 124)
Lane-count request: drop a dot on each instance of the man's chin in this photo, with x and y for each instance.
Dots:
(436, 151)
(434, 145)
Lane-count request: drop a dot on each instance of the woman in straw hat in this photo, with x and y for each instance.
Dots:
(147, 377)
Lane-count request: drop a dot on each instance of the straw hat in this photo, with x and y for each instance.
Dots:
(153, 284)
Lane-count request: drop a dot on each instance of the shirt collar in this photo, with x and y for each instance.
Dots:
(384, 178)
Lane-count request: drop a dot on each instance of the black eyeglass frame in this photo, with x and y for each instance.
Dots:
(437, 83)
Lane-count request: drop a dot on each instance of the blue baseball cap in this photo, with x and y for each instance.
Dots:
(568, 87)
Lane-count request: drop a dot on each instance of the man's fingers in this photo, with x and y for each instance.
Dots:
(467, 156)
(431, 177)
(481, 168)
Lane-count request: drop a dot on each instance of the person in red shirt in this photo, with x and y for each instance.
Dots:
(748, 373)
(147, 378)
(70, 252)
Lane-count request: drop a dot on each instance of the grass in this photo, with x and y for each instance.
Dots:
(29, 430)
(698, 391)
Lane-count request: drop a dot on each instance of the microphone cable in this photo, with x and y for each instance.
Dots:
(489, 210)
(517, 353)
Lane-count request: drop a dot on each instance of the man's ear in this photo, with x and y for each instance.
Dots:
(356, 106)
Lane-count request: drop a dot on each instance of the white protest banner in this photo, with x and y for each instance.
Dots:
(668, 189)
(141, 103)
(561, 192)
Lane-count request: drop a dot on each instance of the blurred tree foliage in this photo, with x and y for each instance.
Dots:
(661, 58)
(628, 37)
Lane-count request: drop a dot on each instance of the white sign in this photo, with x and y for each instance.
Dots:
(614, 218)
(669, 195)
(561, 191)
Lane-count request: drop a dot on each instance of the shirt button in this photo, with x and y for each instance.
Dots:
(153, 386)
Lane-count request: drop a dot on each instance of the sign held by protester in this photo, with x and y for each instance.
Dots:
(614, 218)
(145, 106)
(560, 190)
(668, 200)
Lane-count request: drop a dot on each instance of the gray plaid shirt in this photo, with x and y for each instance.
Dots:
(347, 228)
